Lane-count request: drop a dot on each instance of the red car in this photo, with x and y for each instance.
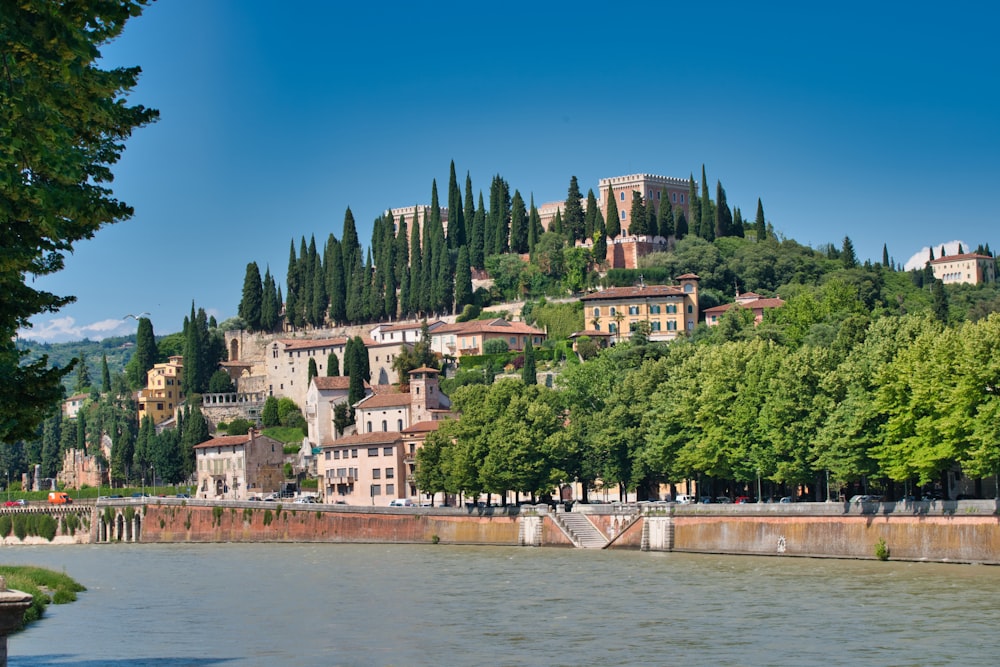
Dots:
(741, 500)
(15, 503)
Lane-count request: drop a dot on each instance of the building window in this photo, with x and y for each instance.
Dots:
(673, 196)
(513, 341)
(373, 451)
(354, 452)
(597, 327)
(623, 215)
(622, 196)
(597, 312)
(390, 489)
(633, 310)
(654, 325)
(613, 311)
(376, 490)
(671, 308)
(385, 426)
(682, 197)
(369, 427)
(387, 451)
(399, 424)
(390, 473)
(612, 328)
(654, 309)
(376, 473)
(671, 325)
(690, 308)
(336, 455)
(326, 455)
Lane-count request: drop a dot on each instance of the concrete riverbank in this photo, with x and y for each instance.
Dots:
(965, 531)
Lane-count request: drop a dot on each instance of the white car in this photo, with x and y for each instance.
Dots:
(400, 502)
(305, 500)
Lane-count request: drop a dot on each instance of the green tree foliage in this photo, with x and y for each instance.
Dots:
(105, 375)
(573, 215)
(637, 216)
(612, 220)
(312, 370)
(220, 383)
(456, 214)
(83, 381)
(518, 225)
(528, 372)
(145, 357)
(269, 414)
(760, 227)
(332, 365)
(64, 121)
(251, 305)
(463, 279)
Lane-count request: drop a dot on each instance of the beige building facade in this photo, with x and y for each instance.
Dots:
(670, 310)
(236, 467)
(162, 395)
(968, 268)
(465, 338)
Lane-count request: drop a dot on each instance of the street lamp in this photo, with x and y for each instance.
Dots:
(152, 479)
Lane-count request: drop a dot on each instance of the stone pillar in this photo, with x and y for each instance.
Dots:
(13, 604)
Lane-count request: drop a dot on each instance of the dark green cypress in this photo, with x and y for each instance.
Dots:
(637, 216)
(694, 208)
(477, 248)
(463, 279)
(613, 219)
(416, 269)
(336, 282)
(535, 230)
(456, 216)
(518, 225)
(590, 215)
(253, 296)
(528, 374)
(759, 225)
(665, 218)
(573, 222)
(292, 284)
(269, 307)
(105, 375)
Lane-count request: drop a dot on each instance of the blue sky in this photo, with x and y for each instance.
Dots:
(872, 120)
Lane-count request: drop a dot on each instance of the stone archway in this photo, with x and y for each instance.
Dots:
(234, 350)
(119, 528)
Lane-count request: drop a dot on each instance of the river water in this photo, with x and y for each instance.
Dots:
(411, 606)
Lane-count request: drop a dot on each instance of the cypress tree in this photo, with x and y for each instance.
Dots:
(600, 249)
(535, 229)
(557, 226)
(693, 216)
(477, 249)
(83, 380)
(885, 255)
(469, 214)
(332, 365)
(496, 241)
(369, 293)
(427, 273)
(320, 297)
(416, 270)
(681, 225)
(269, 308)
(590, 215)
(402, 258)
(145, 355)
(518, 225)
(665, 219)
(308, 262)
(444, 280)
(573, 218)
(312, 371)
(528, 374)
(81, 430)
(939, 300)
(706, 221)
(463, 279)
(637, 216)
(105, 375)
(336, 282)
(723, 216)
(613, 221)
(759, 225)
(292, 284)
(456, 222)
(253, 298)
(652, 228)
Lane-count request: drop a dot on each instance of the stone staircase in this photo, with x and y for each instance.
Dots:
(580, 530)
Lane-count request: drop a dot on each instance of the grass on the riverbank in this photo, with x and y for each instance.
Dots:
(46, 586)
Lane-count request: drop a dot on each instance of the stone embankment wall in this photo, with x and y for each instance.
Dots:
(277, 522)
(965, 531)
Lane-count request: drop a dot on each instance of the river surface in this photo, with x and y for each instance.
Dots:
(411, 606)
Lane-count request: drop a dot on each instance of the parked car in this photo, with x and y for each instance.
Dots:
(685, 499)
(787, 499)
(400, 502)
(305, 500)
(20, 502)
(723, 500)
(183, 495)
(742, 500)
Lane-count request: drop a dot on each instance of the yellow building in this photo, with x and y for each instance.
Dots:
(669, 309)
(162, 394)
(969, 268)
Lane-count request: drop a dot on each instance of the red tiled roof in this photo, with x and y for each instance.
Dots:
(299, 344)
(423, 427)
(498, 325)
(407, 326)
(375, 438)
(425, 369)
(689, 276)
(955, 258)
(384, 401)
(329, 383)
(627, 293)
